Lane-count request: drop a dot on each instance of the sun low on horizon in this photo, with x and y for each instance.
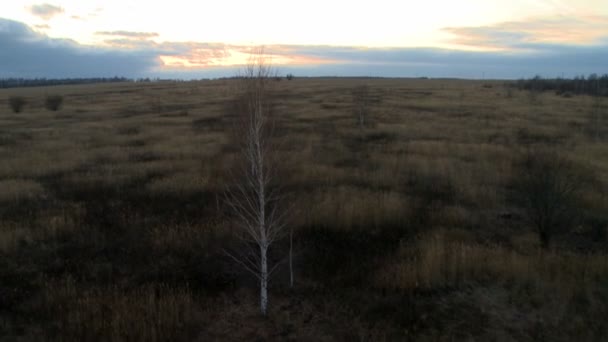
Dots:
(183, 36)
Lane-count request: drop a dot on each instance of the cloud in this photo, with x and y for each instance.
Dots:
(522, 53)
(202, 55)
(45, 11)
(547, 59)
(521, 35)
(128, 34)
(198, 55)
(26, 53)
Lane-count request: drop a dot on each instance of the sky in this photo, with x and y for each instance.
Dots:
(387, 38)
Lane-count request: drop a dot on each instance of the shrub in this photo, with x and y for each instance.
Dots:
(546, 186)
(289, 77)
(599, 227)
(53, 102)
(16, 103)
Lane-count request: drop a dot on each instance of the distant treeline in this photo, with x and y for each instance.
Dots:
(591, 85)
(42, 82)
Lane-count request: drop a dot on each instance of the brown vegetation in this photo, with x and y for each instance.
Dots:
(16, 103)
(112, 225)
(53, 102)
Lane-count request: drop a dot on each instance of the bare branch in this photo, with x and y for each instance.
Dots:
(253, 271)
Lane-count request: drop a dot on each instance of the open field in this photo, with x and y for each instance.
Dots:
(112, 221)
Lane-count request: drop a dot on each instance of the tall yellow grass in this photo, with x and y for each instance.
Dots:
(442, 259)
(148, 313)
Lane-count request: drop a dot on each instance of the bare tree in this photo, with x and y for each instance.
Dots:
(254, 199)
(361, 104)
(596, 117)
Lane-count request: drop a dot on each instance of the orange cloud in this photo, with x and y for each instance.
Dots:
(224, 55)
(128, 34)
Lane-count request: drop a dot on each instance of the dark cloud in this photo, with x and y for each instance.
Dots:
(128, 34)
(549, 47)
(45, 11)
(548, 60)
(26, 53)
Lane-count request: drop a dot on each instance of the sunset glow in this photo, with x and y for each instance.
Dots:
(198, 35)
(232, 57)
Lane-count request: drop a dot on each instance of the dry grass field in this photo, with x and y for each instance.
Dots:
(112, 221)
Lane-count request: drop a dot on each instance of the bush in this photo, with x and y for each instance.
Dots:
(546, 186)
(599, 228)
(16, 103)
(289, 77)
(53, 102)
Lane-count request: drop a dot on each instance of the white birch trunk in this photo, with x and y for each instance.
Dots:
(263, 281)
(291, 258)
(361, 117)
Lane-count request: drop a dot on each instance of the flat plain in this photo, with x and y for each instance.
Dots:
(113, 226)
